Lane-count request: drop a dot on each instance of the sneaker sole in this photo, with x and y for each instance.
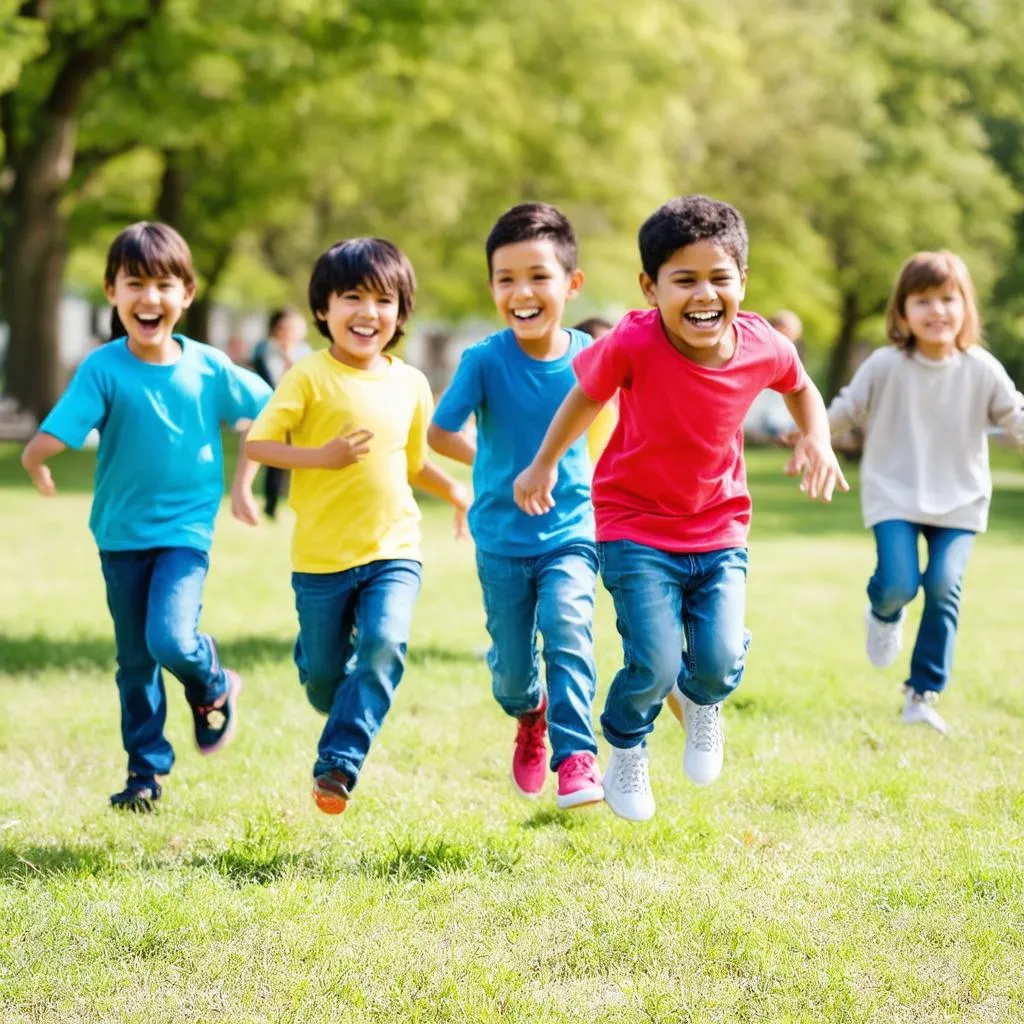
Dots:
(581, 798)
(234, 689)
(329, 803)
(628, 817)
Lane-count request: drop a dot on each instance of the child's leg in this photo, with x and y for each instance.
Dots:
(932, 660)
(566, 581)
(383, 615)
(897, 574)
(716, 640)
(143, 700)
(510, 601)
(172, 625)
(325, 603)
(647, 586)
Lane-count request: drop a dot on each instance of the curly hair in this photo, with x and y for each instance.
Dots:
(688, 219)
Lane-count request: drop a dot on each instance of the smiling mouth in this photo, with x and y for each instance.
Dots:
(364, 332)
(707, 318)
(526, 314)
(148, 321)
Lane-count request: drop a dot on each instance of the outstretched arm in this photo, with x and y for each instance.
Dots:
(41, 448)
(452, 444)
(437, 482)
(813, 459)
(534, 485)
(348, 447)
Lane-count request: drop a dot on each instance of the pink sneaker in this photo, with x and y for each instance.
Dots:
(579, 781)
(530, 759)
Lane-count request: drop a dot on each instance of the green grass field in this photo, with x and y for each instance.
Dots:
(844, 868)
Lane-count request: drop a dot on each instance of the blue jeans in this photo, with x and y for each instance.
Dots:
(897, 579)
(155, 597)
(552, 593)
(680, 617)
(352, 676)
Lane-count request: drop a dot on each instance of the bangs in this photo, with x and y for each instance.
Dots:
(930, 270)
(150, 250)
(923, 271)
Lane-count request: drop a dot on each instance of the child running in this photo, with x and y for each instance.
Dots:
(158, 400)
(351, 421)
(670, 491)
(536, 574)
(925, 403)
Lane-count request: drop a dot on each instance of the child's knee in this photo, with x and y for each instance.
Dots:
(174, 651)
(320, 693)
(942, 586)
(719, 668)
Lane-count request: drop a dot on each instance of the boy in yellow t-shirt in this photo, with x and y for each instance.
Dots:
(351, 422)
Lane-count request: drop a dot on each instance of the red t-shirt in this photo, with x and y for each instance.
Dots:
(672, 475)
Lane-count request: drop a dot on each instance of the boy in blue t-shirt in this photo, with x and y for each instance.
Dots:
(158, 400)
(536, 573)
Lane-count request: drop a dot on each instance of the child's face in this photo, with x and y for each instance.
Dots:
(698, 292)
(361, 322)
(531, 287)
(149, 307)
(935, 316)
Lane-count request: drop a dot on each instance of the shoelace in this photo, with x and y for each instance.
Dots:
(631, 774)
(576, 767)
(530, 738)
(707, 733)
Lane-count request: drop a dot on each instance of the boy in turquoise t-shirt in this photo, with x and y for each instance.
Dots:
(537, 574)
(158, 400)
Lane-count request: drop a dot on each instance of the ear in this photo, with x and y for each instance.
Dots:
(576, 279)
(743, 284)
(108, 290)
(647, 286)
(190, 294)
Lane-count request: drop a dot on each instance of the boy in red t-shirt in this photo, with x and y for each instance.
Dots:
(670, 491)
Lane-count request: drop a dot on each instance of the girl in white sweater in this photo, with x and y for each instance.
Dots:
(925, 404)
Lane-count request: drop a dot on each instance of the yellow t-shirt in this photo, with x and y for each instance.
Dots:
(600, 430)
(365, 512)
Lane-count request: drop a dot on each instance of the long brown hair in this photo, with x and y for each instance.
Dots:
(926, 270)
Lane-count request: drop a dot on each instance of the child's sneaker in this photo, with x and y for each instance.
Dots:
(627, 784)
(579, 781)
(530, 758)
(885, 639)
(215, 723)
(705, 743)
(919, 708)
(330, 791)
(139, 795)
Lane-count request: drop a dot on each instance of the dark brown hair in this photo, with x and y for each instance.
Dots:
(926, 270)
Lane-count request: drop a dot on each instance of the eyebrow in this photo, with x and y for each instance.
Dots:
(724, 268)
(533, 266)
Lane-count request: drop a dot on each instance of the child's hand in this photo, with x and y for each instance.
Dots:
(461, 500)
(348, 447)
(43, 481)
(817, 466)
(533, 487)
(243, 505)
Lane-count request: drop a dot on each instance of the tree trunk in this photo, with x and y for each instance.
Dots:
(196, 322)
(842, 349)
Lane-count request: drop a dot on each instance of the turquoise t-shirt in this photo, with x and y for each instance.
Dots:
(160, 465)
(515, 398)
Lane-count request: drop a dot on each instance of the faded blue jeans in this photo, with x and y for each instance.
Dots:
(680, 617)
(897, 579)
(155, 597)
(352, 676)
(552, 594)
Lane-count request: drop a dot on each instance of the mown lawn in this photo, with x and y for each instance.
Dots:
(843, 869)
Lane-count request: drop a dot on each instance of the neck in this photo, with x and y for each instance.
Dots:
(714, 355)
(377, 361)
(552, 345)
(935, 349)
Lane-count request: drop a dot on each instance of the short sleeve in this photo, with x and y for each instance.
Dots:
(790, 374)
(81, 409)
(605, 366)
(416, 446)
(285, 409)
(464, 395)
(243, 394)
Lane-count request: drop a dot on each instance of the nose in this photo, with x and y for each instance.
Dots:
(150, 292)
(703, 290)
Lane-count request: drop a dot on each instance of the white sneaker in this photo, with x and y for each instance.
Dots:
(885, 639)
(627, 784)
(705, 743)
(919, 708)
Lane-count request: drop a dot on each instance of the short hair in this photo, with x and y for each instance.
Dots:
(594, 324)
(362, 262)
(688, 219)
(278, 317)
(926, 270)
(529, 221)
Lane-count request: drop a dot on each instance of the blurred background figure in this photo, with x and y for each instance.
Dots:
(237, 350)
(768, 418)
(272, 357)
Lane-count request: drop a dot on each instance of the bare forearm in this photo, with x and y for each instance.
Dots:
(808, 411)
(451, 444)
(436, 482)
(41, 448)
(574, 416)
(282, 455)
(246, 470)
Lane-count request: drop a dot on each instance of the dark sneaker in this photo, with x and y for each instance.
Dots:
(215, 723)
(330, 791)
(140, 795)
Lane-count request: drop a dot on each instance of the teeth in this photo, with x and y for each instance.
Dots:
(705, 317)
(525, 314)
(364, 332)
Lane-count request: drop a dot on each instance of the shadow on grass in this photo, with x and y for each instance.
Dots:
(21, 863)
(257, 867)
(551, 818)
(36, 652)
(420, 862)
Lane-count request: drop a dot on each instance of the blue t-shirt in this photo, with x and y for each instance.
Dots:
(160, 466)
(515, 398)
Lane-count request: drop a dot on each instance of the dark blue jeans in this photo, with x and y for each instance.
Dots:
(897, 579)
(155, 597)
(552, 594)
(680, 617)
(352, 676)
